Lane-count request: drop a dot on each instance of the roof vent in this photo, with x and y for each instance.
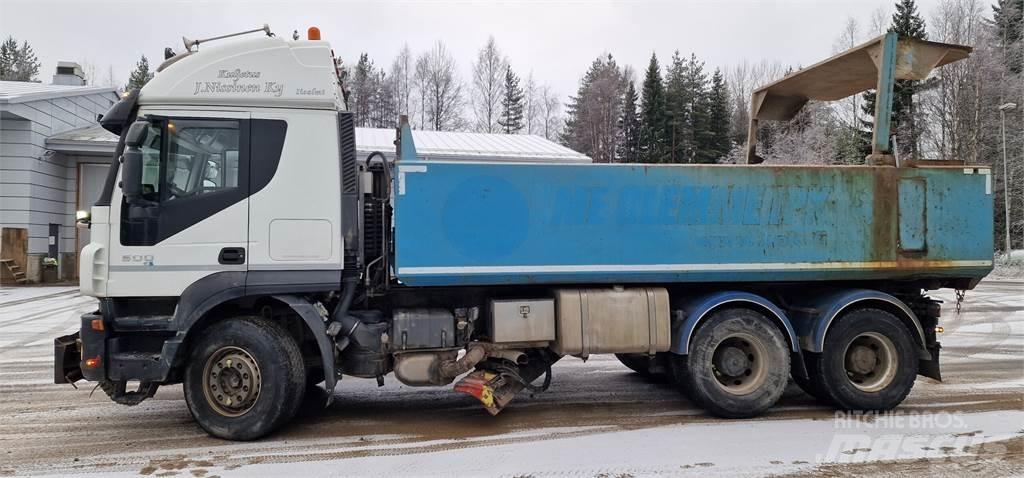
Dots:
(69, 73)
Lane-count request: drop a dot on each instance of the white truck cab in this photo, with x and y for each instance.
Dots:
(211, 131)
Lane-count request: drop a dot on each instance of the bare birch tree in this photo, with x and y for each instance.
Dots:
(441, 89)
(879, 21)
(488, 86)
(420, 78)
(401, 75)
(531, 105)
(551, 119)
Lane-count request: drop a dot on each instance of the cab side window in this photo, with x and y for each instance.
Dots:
(202, 158)
(151, 163)
(192, 168)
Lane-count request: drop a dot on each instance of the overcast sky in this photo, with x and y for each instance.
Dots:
(556, 40)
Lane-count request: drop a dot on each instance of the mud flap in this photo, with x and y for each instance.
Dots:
(930, 368)
(483, 385)
(496, 384)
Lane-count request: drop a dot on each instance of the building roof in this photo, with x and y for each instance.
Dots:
(430, 144)
(470, 146)
(87, 139)
(23, 91)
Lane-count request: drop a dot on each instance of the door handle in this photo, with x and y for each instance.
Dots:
(232, 255)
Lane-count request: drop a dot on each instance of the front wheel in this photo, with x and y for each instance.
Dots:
(868, 361)
(245, 378)
(738, 365)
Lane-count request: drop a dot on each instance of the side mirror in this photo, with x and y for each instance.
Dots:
(131, 174)
(131, 160)
(136, 134)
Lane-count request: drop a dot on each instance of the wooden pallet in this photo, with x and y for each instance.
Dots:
(15, 270)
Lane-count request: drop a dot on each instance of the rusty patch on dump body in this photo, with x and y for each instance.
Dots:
(884, 216)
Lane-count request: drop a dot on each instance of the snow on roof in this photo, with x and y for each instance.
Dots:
(429, 144)
(22, 91)
(470, 146)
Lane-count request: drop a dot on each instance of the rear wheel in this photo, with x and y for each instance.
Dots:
(868, 361)
(245, 378)
(738, 364)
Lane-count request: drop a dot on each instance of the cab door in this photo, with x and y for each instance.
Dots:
(191, 218)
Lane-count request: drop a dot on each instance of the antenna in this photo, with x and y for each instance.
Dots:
(195, 43)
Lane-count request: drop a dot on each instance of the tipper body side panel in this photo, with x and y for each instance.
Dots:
(480, 223)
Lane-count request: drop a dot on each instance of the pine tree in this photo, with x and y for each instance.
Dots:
(1007, 20)
(697, 135)
(629, 127)
(18, 63)
(140, 75)
(719, 116)
(363, 85)
(907, 23)
(511, 120)
(678, 99)
(8, 57)
(686, 96)
(591, 124)
(653, 119)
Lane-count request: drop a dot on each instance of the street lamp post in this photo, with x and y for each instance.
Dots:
(1003, 108)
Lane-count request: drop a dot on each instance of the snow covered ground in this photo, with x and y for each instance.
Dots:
(598, 419)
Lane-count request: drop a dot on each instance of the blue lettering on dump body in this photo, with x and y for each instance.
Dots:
(717, 205)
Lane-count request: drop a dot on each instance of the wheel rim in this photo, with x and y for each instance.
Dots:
(231, 381)
(871, 361)
(739, 364)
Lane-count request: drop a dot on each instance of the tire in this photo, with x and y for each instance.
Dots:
(314, 377)
(315, 397)
(812, 384)
(868, 362)
(720, 378)
(266, 371)
(641, 364)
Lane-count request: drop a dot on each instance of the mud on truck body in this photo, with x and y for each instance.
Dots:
(242, 249)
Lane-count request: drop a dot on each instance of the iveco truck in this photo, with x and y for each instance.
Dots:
(243, 249)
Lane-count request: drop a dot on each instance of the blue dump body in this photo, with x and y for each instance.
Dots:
(459, 223)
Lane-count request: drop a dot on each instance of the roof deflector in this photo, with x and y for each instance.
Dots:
(875, 64)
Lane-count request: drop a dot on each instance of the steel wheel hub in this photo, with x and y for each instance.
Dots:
(739, 364)
(871, 362)
(231, 381)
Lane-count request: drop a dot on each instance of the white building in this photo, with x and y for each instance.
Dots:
(41, 187)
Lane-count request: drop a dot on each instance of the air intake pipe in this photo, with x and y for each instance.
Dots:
(347, 326)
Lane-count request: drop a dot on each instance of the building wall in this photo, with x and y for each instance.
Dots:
(38, 187)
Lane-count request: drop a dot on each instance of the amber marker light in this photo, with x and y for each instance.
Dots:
(97, 325)
(92, 362)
